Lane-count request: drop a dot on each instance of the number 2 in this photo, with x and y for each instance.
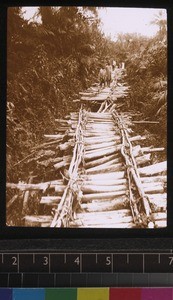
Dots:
(14, 259)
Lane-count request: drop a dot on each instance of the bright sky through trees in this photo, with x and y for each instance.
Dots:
(120, 20)
(129, 20)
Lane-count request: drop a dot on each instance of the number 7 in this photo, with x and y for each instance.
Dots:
(171, 260)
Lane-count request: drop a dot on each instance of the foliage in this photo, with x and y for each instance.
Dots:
(48, 64)
(147, 76)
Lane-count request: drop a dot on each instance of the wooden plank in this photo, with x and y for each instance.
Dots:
(101, 160)
(35, 221)
(112, 225)
(153, 169)
(161, 178)
(98, 206)
(105, 176)
(105, 169)
(106, 182)
(91, 189)
(101, 153)
(102, 196)
(50, 200)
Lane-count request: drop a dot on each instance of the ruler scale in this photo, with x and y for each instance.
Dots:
(57, 269)
(44, 262)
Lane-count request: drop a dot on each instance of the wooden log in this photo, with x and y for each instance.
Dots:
(59, 189)
(11, 201)
(137, 138)
(102, 120)
(62, 121)
(36, 221)
(105, 169)
(105, 206)
(102, 130)
(63, 129)
(107, 182)
(25, 186)
(101, 139)
(54, 136)
(153, 169)
(106, 164)
(101, 153)
(95, 98)
(79, 224)
(99, 116)
(99, 146)
(102, 196)
(103, 218)
(137, 151)
(161, 223)
(99, 126)
(50, 200)
(87, 94)
(65, 146)
(103, 176)
(160, 216)
(64, 158)
(141, 160)
(145, 122)
(62, 163)
(90, 189)
(159, 206)
(26, 197)
(161, 178)
(101, 160)
(99, 134)
(150, 150)
(159, 197)
(153, 189)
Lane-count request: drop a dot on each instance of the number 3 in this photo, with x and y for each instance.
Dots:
(46, 261)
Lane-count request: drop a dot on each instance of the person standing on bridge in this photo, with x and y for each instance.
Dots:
(108, 73)
(113, 65)
(102, 76)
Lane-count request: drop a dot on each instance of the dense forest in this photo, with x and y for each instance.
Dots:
(49, 62)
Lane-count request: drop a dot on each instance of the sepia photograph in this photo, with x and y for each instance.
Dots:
(86, 117)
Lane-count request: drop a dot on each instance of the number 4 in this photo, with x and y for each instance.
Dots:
(77, 261)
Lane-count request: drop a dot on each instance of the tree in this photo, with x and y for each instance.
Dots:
(161, 22)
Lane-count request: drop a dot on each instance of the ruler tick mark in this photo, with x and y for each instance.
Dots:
(127, 258)
(96, 258)
(49, 262)
(80, 263)
(18, 262)
(112, 263)
(143, 263)
(159, 258)
(65, 258)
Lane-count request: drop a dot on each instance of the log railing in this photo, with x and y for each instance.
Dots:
(66, 207)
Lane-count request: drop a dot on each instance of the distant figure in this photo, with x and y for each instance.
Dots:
(108, 73)
(123, 65)
(102, 76)
(113, 65)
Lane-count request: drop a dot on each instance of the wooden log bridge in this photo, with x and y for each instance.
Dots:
(102, 173)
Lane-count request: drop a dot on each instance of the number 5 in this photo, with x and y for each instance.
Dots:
(108, 260)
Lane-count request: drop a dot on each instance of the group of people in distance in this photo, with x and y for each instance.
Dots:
(105, 73)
